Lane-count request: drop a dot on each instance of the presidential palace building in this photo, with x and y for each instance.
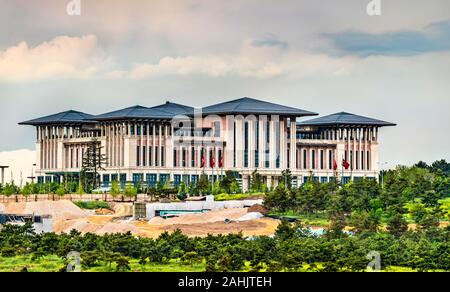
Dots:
(178, 143)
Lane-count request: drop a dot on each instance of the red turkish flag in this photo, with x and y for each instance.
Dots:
(221, 162)
(212, 162)
(335, 165)
(203, 161)
(345, 164)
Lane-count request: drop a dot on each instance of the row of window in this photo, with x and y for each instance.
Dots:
(158, 159)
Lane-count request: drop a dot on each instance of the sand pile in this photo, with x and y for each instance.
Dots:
(198, 218)
(251, 216)
(81, 225)
(117, 227)
(104, 212)
(63, 209)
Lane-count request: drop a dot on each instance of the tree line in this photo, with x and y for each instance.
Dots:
(292, 248)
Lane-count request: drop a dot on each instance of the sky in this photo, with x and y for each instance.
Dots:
(324, 56)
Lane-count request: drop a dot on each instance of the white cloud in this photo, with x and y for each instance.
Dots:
(20, 164)
(250, 62)
(61, 57)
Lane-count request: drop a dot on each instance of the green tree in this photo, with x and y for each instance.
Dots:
(61, 191)
(256, 182)
(235, 188)
(280, 199)
(130, 190)
(93, 161)
(286, 178)
(228, 180)
(203, 184)
(115, 188)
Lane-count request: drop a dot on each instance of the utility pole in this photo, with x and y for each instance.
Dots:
(3, 167)
(32, 177)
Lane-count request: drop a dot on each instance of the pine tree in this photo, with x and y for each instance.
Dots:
(93, 161)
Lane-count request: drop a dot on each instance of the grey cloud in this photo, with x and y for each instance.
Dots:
(270, 41)
(434, 38)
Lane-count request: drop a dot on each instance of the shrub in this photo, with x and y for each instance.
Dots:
(61, 191)
(130, 190)
(92, 205)
(115, 188)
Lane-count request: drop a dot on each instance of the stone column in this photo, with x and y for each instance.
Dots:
(262, 140)
(293, 150)
(251, 143)
(273, 142)
(229, 140)
(239, 143)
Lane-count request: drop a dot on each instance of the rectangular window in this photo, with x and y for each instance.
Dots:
(351, 159)
(138, 155)
(139, 129)
(217, 129)
(192, 156)
(162, 156)
(305, 158)
(150, 158)
(77, 158)
(357, 159)
(156, 156)
(321, 160)
(138, 178)
(362, 161)
(330, 160)
(184, 157)
(368, 160)
(151, 180)
(144, 156)
(174, 157)
(313, 159)
(176, 180)
(71, 156)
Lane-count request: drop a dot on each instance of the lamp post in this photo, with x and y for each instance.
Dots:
(3, 167)
(32, 177)
(382, 172)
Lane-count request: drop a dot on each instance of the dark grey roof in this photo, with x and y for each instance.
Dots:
(67, 117)
(164, 111)
(248, 105)
(134, 112)
(174, 108)
(344, 118)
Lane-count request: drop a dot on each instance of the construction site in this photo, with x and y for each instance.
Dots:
(193, 218)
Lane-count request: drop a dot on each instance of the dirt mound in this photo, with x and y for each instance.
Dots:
(104, 212)
(63, 209)
(199, 218)
(81, 225)
(251, 216)
(258, 209)
(117, 227)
